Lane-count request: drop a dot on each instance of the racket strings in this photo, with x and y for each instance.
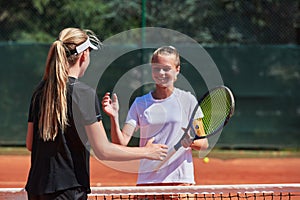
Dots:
(216, 108)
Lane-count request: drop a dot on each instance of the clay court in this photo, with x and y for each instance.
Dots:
(223, 168)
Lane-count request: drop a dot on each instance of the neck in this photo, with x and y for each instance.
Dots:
(73, 75)
(74, 71)
(162, 92)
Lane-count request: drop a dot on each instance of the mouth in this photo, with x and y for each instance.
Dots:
(162, 80)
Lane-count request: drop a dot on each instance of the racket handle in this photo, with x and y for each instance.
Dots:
(170, 154)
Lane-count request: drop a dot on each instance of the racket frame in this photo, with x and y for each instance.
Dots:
(229, 115)
(194, 136)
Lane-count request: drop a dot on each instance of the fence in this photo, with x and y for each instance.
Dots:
(264, 79)
(207, 21)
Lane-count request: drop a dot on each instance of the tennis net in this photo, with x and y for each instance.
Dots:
(249, 191)
(209, 192)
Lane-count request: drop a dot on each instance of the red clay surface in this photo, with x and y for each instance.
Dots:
(14, 170)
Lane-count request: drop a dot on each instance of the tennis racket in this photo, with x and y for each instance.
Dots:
(217, 106)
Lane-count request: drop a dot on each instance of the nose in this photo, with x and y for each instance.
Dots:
(162, 71)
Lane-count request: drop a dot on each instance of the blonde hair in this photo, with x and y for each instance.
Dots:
(53, 102)
(166, 51)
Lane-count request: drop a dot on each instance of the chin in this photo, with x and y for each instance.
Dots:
(162, 85)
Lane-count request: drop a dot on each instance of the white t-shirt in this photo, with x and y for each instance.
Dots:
(164, 120)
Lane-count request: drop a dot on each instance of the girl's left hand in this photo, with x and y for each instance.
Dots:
(110, 106)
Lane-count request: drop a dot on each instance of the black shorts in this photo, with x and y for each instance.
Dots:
(78, 193)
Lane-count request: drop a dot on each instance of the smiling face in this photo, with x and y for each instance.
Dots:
(164, 70)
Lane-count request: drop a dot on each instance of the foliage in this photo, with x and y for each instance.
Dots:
(207, 21)
(227, 21)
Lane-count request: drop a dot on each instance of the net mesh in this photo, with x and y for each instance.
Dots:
(257, 191)
(252, 191)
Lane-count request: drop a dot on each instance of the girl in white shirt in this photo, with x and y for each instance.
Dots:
(161, 114)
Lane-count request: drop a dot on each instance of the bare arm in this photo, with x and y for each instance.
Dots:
(111, 108)
(200, 144)
(29, 136)
(106, 150)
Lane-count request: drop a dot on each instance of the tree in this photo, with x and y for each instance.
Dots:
(207, 21)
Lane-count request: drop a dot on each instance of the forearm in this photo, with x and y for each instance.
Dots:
(111, 107)
(122, 153)
(105, 150)
(29, 136)
(200, 144)
(117, 135)
(115, 130)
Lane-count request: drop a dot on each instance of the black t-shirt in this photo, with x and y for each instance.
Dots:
(63, 163)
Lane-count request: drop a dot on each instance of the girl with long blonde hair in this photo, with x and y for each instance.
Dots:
(63, 122)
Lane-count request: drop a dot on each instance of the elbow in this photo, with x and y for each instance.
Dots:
(29, 147)
(28, 144)
(101, 155)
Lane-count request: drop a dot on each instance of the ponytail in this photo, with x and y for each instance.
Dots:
(54, 94)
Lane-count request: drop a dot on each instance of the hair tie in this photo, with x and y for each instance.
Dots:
(65, 47)
(60, 41)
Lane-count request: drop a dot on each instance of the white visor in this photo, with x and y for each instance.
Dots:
(85, 45)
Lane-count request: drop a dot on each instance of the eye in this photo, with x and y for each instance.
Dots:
(159, 68)
(155, 69)
(167, 69)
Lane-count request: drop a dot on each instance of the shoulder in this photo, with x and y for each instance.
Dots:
(142, 99)
(39, 88)
(183, 94)
(141, 103)
(81, 89)
(82, 95)
(38, 92)
(186, 98)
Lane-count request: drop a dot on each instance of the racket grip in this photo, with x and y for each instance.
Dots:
(170, 154)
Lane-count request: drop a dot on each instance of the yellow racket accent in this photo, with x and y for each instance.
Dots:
(198, 127)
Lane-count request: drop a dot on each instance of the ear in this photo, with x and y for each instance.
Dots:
(177, 72)
(177, 69)
(83, 57)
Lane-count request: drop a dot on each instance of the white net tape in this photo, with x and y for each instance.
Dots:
(239, 191)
